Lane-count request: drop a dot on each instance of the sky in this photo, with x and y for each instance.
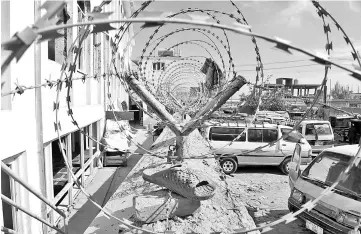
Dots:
(295, 21)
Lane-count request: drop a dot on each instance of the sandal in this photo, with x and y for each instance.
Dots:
(181, 180)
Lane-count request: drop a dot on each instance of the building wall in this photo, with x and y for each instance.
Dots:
(88, 100)
(344, 102)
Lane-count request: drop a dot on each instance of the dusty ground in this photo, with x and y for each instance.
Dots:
(221, 213)
(265, 191)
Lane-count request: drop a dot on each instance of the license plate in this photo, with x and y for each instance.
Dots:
(313, 227)
(318, 143)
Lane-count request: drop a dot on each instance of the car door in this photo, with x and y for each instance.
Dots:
(259, 137)
(294, 166)
(269, 152)
(287, 145)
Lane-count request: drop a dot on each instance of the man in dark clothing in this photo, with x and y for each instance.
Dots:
(352, 134)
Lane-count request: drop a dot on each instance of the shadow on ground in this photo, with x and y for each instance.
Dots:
(84, 215)
(259, 169)
(264, 217)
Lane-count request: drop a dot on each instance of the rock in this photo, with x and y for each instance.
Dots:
(157, 206)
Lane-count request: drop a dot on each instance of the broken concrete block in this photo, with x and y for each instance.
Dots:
(158, 205)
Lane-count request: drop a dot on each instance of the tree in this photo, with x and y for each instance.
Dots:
(271, 100)
(341, 91)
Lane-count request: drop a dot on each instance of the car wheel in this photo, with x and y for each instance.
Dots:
(285, 165)
(229, 165)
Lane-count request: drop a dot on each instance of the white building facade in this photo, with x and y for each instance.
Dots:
(89, 100)
(153, 71)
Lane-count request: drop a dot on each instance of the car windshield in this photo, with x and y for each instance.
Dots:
(294, 136)
(328, 166)
(318, 128)
(342, 122)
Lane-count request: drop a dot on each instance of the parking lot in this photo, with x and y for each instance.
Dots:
(265, 191)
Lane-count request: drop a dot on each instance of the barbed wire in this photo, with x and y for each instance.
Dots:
(280, 44)
(20, 89)
(268, 227)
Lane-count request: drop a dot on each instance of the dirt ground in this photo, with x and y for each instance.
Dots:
(265, 191)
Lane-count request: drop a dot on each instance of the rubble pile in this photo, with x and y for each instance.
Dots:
(222, 213)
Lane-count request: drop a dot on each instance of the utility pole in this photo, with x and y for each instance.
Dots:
(39, 118)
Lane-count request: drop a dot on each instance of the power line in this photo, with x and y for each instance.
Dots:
(276, 68)
(290, 61)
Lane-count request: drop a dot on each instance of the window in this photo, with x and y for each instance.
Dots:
(270, 135)
(353, 105)
(262, 135)
(299, 129)
(158, 66)
(255, 135)
(8, 210)
(326, 169)
(59, 170)
(294, 136)
(226, 134)
(318, 128)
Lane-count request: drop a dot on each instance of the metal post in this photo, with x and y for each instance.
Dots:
(90, 149)
(86, 130)
(98, 134)
(70, 160)
(214, 104)
(1, 207)
(82, 157)
(73, 144)
(10, 202)
(39, 117)
(151, 101)
(50, 179)
(175, 100)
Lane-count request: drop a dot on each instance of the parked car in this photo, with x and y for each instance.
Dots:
(354, 133)
(337, 212)
(341, 126)
(318, 133)
(255, 136)
(274, 117)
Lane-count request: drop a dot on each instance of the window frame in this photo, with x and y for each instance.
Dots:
(269, 129)
(259, 129)
(243, 138)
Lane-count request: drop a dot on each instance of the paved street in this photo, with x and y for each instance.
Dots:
(102, 187)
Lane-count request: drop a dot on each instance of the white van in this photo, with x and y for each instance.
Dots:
(318, 133)
(339, 211)
(255, 136)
